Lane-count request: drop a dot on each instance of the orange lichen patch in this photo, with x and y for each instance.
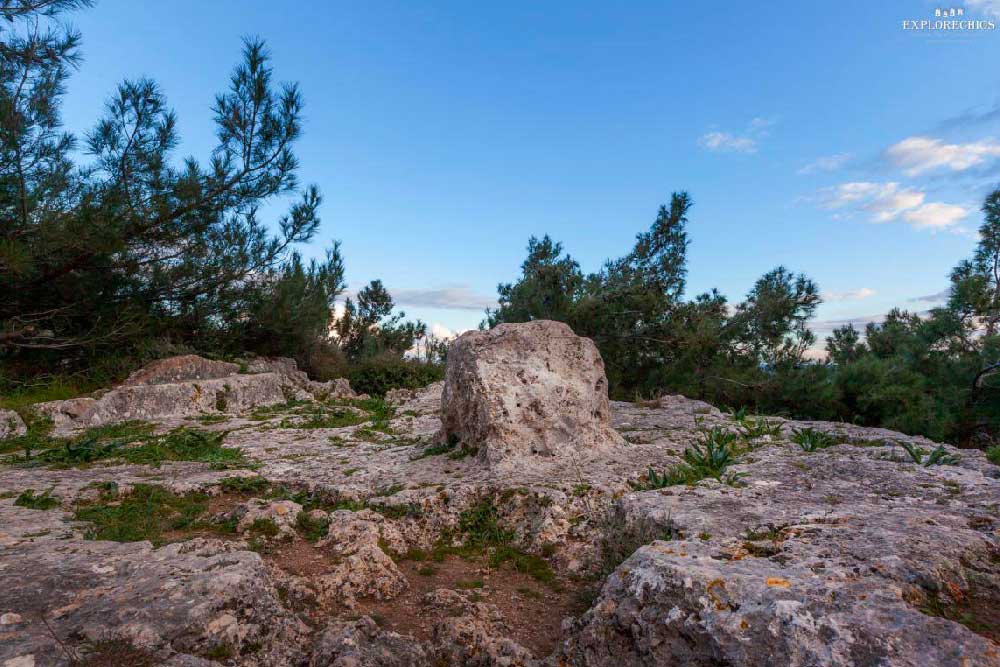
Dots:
(719, 598)
(955, 591)
(778, 582)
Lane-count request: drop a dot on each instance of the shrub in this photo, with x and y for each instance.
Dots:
(378, 375)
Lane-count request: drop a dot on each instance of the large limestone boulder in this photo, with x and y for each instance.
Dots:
(532, 389)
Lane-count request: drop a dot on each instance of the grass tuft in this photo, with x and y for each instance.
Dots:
(42, 501)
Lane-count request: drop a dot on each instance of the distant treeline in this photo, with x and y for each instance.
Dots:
(931, 375)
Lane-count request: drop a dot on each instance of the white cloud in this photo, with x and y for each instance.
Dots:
(826, 163)
(885, 202)
(439, 330)
(986, 6)
(745, 142)
(723, 141)
(457, 297)
(916, 155)
(935, 215)
(849, 295)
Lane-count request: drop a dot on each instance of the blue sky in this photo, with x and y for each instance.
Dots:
(819, 135)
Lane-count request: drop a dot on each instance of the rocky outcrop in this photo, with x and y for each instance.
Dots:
(363, 569)
(288, 369)
(189, 386)
(151, 402)
(11, 424)
(524, 390)
(201, 597)
(180, 369)
(848, 556)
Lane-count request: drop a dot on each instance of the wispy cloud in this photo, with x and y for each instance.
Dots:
(826, 163)
(459, 297)
(991, 7)
(937, 297)
(849, 295)
(916, 155)
(745, 142)
(724, 141)
(886, 202)
(826, 327)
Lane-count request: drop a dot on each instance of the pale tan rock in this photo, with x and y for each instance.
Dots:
(363, 568)
(282, 513)
(11, 424)
(180, 369)
(522, 390)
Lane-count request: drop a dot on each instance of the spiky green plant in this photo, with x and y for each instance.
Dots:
(811, 440)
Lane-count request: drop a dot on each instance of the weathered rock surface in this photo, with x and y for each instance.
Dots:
(830, 558)
(189, 386)
(851, 555)
(11, 424)
(288, 369)
(180, 369)
(520, 390)
(362, 568)
(189, 599)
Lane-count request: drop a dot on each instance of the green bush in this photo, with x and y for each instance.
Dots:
(378, 375)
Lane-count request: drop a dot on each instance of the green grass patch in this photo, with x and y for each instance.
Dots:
(41, 501)
(146, 513)
(312, 529)
(127, 442)
(993, 455)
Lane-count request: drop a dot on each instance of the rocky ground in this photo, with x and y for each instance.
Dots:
(353, 532)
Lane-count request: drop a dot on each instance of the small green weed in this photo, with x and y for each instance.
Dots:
(811, 440)
(244, 485)
(42, 501)
(939, 456)
(993, 455)
(709, 458)
(312, 529)
(759, 427)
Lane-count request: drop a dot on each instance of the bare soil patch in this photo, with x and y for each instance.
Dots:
(532, 611)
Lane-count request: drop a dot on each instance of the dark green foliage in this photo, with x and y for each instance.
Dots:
(707, 459)
(936, 375)
(369, 328)
(993, 455)
(939, 456)
(811, 440)
(379, 374)
(117, 251)
(42, 501)
(146, 513)
(244, 485)
(310, 528)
